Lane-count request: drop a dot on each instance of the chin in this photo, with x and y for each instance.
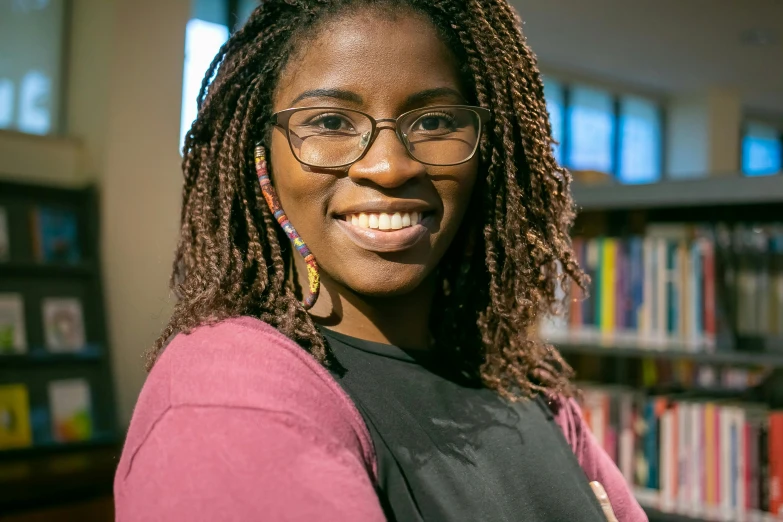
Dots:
(392, 281)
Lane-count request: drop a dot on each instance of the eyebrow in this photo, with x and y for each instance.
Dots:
(418, 98)
(431, 94)
(337, 94)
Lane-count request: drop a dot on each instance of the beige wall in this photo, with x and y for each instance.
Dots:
(123, 113)
(141, 180)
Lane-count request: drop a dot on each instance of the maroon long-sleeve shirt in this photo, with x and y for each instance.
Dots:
(237, 422)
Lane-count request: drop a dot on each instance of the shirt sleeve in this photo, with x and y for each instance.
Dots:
(236, 464)
(596, 463)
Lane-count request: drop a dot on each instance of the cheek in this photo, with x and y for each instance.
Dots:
(302, 194)
(455, 190)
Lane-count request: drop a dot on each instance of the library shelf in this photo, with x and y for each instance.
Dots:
(719, 357)
(729, 190)
(656, 515)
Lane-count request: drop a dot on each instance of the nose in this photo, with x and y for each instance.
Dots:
(387, 163)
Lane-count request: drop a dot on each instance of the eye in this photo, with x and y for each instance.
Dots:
(331, 122)
(434, 122)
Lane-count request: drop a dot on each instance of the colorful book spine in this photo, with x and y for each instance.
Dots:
(608, 281)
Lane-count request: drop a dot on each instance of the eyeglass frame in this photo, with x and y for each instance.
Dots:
(281, 120)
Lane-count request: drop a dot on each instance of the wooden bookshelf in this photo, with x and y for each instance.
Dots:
(730, 190)
(737, 358)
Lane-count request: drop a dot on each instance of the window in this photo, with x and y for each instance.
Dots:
(30, 74)
(762, 150)
(591, 130)
(555, 103)
(202, 42)
(598, 130)
(640, 141)
(206, 31)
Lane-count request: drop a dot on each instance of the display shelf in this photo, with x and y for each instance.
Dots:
(721, 357)
(33, 269)
(99, 440)
(733, 190)
(40, 356)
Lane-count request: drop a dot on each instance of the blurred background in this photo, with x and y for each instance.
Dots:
(669, 113)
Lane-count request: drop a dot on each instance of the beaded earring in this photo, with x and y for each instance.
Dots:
(273, 202)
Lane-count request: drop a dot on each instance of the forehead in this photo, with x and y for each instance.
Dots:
(382, 59)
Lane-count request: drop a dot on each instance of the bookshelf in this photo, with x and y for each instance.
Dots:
(55, 370)
(735, 357)
(724, 191)
(650, 380)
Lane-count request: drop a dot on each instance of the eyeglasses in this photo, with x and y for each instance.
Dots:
(330, 137)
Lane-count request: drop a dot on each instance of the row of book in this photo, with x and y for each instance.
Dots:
(69, 417)
(678, 285)
(715, 460)
(63, 324)
(55, 237)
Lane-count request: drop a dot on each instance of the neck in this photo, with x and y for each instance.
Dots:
(401, 320)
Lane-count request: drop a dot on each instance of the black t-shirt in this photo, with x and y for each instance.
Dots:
(450, 451)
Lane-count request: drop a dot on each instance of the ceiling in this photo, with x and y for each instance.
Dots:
(666, 46)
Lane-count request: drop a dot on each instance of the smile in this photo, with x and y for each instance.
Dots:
(384, 221)
(385, 232)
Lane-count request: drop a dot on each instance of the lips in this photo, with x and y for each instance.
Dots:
(376, 240)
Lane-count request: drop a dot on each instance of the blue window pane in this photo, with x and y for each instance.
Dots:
(640, 141)
(591, 128)
(202, 42)
(555, 103)
(762, 150)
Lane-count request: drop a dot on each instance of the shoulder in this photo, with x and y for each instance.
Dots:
(245, 364)
(568, 417)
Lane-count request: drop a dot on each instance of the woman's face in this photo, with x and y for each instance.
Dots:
(383, 67)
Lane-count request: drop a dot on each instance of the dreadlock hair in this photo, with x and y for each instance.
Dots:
(498, 278)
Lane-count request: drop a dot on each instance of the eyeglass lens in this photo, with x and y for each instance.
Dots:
(336, 137)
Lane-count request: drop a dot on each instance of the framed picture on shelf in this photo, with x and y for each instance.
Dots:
(70, 410)
(15, 431)
(5, 240)
(63, 324)
(13, 339)
(55, 235)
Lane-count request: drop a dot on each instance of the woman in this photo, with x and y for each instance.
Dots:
(353, 341)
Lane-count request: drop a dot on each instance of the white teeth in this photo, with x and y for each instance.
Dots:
(384, 221)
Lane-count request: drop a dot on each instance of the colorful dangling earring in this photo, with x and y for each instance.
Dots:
(273, 202)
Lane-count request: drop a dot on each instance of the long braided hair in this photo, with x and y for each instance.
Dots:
(232, 258)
